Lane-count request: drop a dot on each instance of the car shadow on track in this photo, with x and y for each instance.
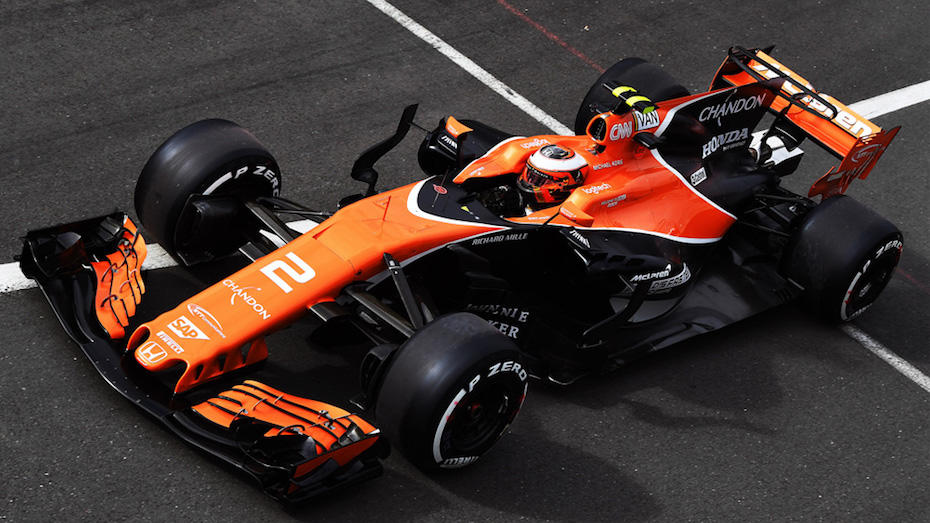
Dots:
(531, 474)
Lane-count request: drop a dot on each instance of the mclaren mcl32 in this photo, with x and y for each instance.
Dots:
(661, 218)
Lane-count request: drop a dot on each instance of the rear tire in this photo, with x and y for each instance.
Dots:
(451, 392)
(207, 157)
(843, 254)
(650, 80)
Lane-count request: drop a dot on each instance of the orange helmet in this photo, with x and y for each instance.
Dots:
(551, 173)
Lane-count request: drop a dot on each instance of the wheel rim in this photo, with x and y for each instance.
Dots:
(478, 420)
(868, 284)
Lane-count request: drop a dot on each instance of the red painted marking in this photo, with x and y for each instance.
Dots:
(550, 35)
(914, 281)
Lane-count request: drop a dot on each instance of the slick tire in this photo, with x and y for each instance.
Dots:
(843, 254)
(650, 80)
(209, 157)
(451, 392)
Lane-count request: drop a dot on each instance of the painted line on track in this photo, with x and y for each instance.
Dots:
(471, 67)
(899, 364)
(893, 101)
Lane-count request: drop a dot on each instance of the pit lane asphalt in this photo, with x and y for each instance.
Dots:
(778, 417)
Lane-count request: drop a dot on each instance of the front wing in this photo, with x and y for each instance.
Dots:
(295, 448)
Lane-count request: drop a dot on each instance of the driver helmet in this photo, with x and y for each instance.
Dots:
(550, 175)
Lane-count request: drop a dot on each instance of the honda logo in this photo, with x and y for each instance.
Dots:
(151, 353)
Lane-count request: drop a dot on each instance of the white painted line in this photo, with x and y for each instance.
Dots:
(12, 279)
(471, 67)
(900, 365)
(893, 101)
(157, 258)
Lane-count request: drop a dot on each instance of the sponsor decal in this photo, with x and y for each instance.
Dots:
(206, 317)
(853, 125)
(580, 238)
(536, 142)
(621, 130)
(866, 153)
(169, 341)
(447, 140)
(596, 189)
(646, 121)
(246, 298)
(725, 141)
(698, 176)
(843, 118)
(186, 329)
(440, 189)
(606, 165)
(500, 310)
(151, 353)
(614, 201)
(505, 329)
(669, 283)
(514, 236)
(454, 463)
(653, 275)
(731, 107)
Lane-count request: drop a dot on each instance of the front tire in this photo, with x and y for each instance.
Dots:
(451, 392)
(209, 157)
(844, 254)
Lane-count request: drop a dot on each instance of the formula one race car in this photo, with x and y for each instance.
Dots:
(546, 256)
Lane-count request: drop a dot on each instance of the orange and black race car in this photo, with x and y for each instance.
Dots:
(549, 256)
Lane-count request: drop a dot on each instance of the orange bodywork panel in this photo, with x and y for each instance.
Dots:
(323, 423)
(455, 127)
(119, 282)
(206, 333)
(858, 163)
(837, 132)
(628, 186)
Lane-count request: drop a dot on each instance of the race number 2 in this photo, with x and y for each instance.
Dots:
(271, 270)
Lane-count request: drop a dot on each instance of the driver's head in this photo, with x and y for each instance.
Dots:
(551, 174)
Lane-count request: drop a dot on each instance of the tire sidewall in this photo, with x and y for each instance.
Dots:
(436, 369)
(886, 252)
(494, 371)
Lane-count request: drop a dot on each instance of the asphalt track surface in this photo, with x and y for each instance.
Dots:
(776, 418)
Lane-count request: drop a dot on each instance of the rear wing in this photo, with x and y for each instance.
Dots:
(802, 112)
